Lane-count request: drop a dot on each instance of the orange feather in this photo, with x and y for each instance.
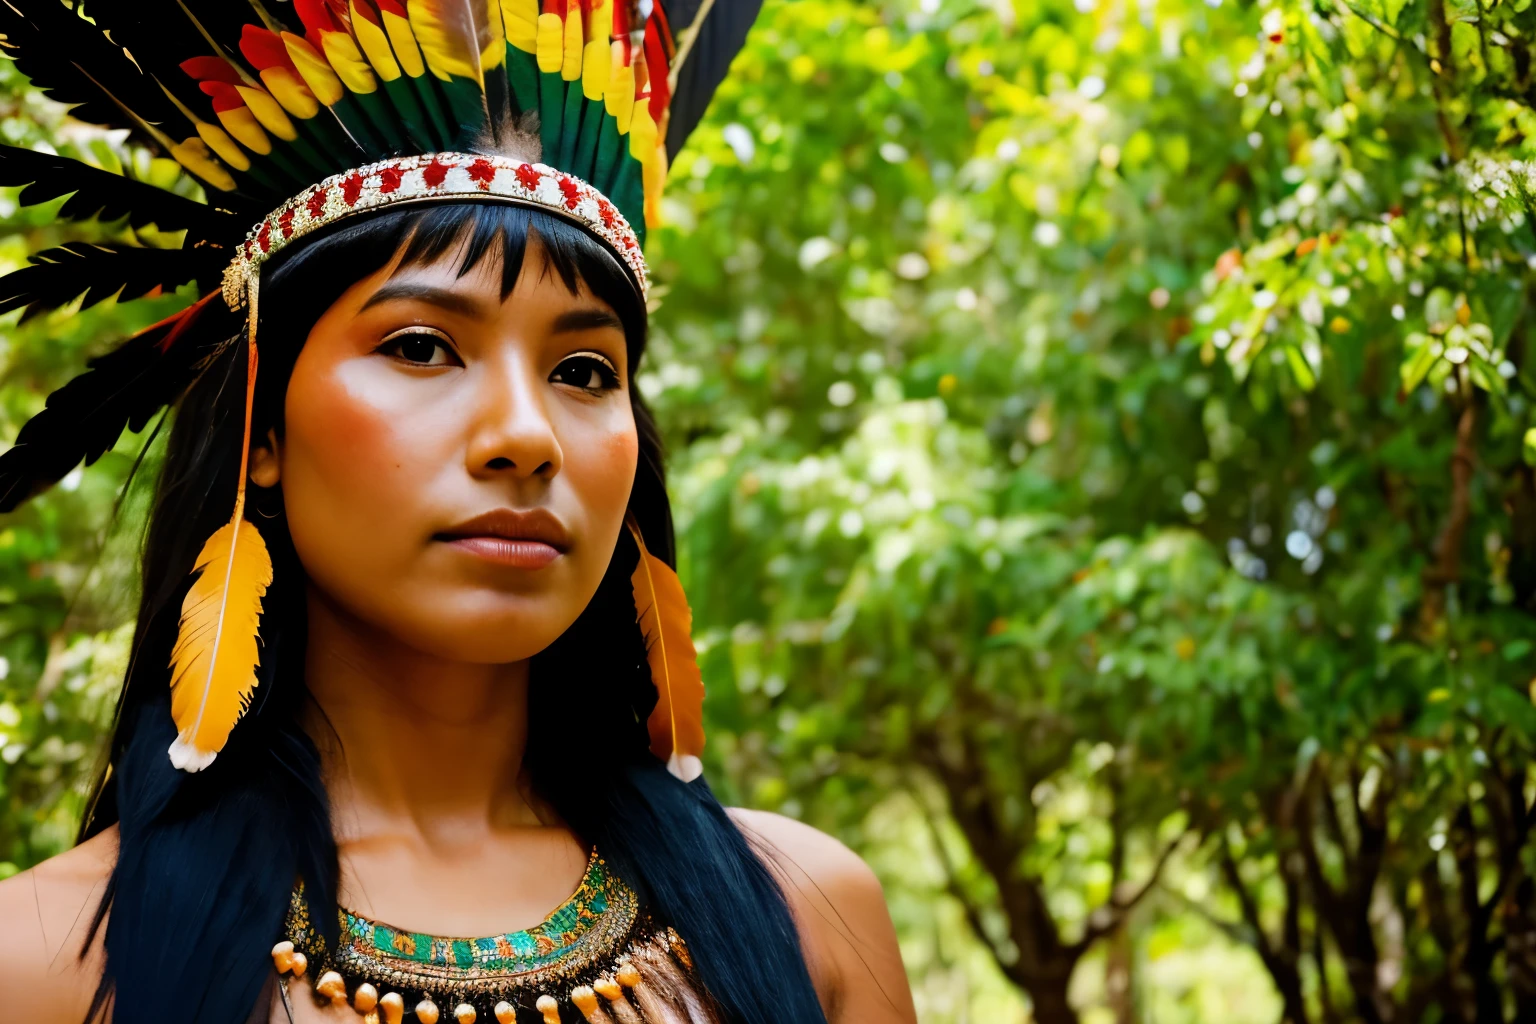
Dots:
(677, 724)
(213, 665)
(214, 661)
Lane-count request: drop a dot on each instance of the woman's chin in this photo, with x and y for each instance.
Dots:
(468, 631)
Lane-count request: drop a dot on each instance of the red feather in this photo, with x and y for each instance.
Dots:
(265, 49)
(211, 69)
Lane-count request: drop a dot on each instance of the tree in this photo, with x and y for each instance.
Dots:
(1159, 393)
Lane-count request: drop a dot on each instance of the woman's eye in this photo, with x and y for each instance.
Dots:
(586, 372)
(423, 348)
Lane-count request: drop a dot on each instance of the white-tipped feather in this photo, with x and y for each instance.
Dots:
(213, 665)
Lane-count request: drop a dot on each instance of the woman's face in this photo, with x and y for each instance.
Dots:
(455, 467)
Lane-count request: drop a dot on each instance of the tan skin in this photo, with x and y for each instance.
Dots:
(420, 401)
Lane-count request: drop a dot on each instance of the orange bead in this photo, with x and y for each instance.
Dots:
(628, 976)
(333, 987)
(365, 998)
(585, 999)
(464, 1013)
(549, 1008)
(426, 1012)
(505, 1014)
(392, 1007)
(300, 964)
(282, 956)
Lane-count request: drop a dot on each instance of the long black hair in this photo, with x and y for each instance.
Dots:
(207, 861)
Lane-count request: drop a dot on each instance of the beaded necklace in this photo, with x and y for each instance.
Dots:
(596, 953)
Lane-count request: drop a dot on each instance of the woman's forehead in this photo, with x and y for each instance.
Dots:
(466, 265)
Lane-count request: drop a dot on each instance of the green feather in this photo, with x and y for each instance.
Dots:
(382, 119)
(284, 161)
(466, 105)
(324, 135)
(570, 124)
(610, 146)
(594, 119)
(551, 112)
(305, 151)
(355, 122)
(438, 121)
(402, 96)
(629, 192)
(523, 77)
(262, 177)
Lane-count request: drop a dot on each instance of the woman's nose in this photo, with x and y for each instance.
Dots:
(513, 433)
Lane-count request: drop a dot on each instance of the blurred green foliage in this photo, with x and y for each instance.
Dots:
(1103, 459)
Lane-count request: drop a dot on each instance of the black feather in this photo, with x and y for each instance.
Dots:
(98, 194)
(721, 35)
(123, 389)
(74, 62)
(60, 275)
(161, 34)
(167, 32)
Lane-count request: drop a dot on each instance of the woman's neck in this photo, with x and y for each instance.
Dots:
(422, 760)
(390, 721)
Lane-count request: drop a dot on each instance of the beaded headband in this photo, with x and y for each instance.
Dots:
(433, 177)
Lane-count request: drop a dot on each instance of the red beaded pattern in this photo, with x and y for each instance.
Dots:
(444, 176)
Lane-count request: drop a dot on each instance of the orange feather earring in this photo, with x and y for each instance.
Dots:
(677, 724)
(213, 665)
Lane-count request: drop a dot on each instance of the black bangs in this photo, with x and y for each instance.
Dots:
(427, 234)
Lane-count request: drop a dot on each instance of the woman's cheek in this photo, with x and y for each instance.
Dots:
(349, 458)
(607, 469)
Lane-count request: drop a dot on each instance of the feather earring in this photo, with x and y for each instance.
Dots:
(213, 665)
(677, 723)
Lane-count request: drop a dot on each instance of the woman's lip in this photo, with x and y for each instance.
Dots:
(507, 551)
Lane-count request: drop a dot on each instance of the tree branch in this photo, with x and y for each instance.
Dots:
(1107, 917)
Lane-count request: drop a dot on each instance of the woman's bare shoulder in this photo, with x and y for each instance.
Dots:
(45, 915)
(839, 907)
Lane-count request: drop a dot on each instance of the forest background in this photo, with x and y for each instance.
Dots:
(1102, 442)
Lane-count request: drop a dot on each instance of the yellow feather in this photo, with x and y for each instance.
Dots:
(315, 69)
(213, 665)
(550, 45)
(219, 141)
(268, 111)
(676, 724)
(521, 18)
(570, 61)
(642, 134)
(619, 97)
(375, 44)
(599, 21)
(459, 38)
(404, 40)
(653, 176)
(290, 91)
(192, 154)
(242, 124)
(594, 70)
(348, 63)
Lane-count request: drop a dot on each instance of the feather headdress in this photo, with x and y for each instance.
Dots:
(301, 115)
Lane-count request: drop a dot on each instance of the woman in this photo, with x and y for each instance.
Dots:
(431, 678)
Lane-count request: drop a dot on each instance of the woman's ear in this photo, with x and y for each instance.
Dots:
(266, 461)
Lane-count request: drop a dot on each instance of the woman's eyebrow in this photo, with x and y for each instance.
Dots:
(443, 298)
(591, 318)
